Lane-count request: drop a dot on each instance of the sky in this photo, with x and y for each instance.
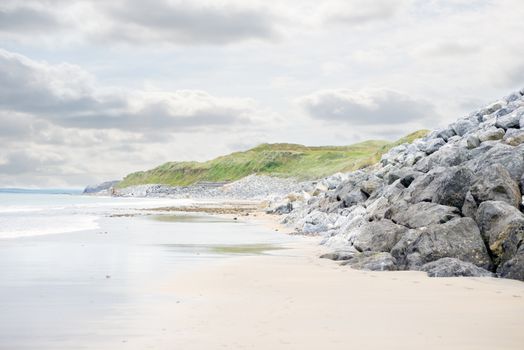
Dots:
(91, 90)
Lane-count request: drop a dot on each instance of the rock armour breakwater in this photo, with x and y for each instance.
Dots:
(449, 204)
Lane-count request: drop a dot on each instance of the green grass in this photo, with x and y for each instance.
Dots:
(282, 160)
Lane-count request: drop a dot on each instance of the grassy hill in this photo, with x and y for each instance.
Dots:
(282, 159)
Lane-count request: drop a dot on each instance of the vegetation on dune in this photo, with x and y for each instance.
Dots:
(282, 159)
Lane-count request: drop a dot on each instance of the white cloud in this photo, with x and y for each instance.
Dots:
(68, 96)
(118, 86)
(365, 107)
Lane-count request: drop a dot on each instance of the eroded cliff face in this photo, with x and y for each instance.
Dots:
(449, 203)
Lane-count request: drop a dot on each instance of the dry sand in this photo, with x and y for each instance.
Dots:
(293, 300)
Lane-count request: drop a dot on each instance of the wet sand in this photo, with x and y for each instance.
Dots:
(293, 300)
(148, 282)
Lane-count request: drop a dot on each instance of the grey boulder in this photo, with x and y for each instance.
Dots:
(502, 228)
(513, 268)
(512, 158)
(373, 261)
(510, 120)
(451, 267)
(463, 126)
(378, 236)
(472, 141)
(431, 146)
(459, 238)
(491, 134)
(423, 214)
(514, 137)
(452, 186)
(494, 183)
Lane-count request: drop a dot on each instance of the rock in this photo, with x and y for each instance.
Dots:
(339, 255)
(451, 267)
(378, 236)
(470, 207)
(472, 141)
(353, 198)
(281, 209)
(514, 137)
(407, 175)
(511, 120)
(512, 97)
(495, 184)
(512, 158)
(431, 146)
(492, 108)
(451, 188)
(463, 126)
(423, 187)
(447, 156)
(513, 268)
(491, 134)
(315, 222)
(103, 187)
(459, 238)
(446, 134)
(502, 228)
(373, 262)
(424, 214)
(368, 187)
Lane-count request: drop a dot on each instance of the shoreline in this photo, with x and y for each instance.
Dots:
(289, 299)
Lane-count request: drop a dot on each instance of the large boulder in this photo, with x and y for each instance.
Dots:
(463, 126)
(371, 185)
(280, 208)
(451, 267)
(494, 183)
(451, 188)
(315, 222)
(431, 146)
(446, 186)
(502, 228)
(512, 158)
(459, 238)
(353, 198)
(514, 267)
(372, 261)
(445, 134)
(514, 137)
(510, 120)
(423, 214)
(423, 187)
(491, 134)
(378, 236)
(447, 156)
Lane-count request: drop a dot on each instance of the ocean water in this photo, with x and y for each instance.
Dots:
(80, 272)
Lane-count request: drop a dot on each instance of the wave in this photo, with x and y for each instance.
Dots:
(24, 226)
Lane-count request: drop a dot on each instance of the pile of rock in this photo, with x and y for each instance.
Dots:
(103, 189)
(449, 204)
(253, 187)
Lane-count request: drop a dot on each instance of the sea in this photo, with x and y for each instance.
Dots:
(85, 272)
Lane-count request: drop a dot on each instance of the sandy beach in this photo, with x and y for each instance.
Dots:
(293, 300)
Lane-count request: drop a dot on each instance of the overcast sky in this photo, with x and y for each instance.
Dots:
(92, 90)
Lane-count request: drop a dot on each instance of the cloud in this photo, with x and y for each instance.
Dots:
(365, 107)
(21, 162)
(134, 22)
(362, 12)
(25, 19)
(185, 22)
(67, 95)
